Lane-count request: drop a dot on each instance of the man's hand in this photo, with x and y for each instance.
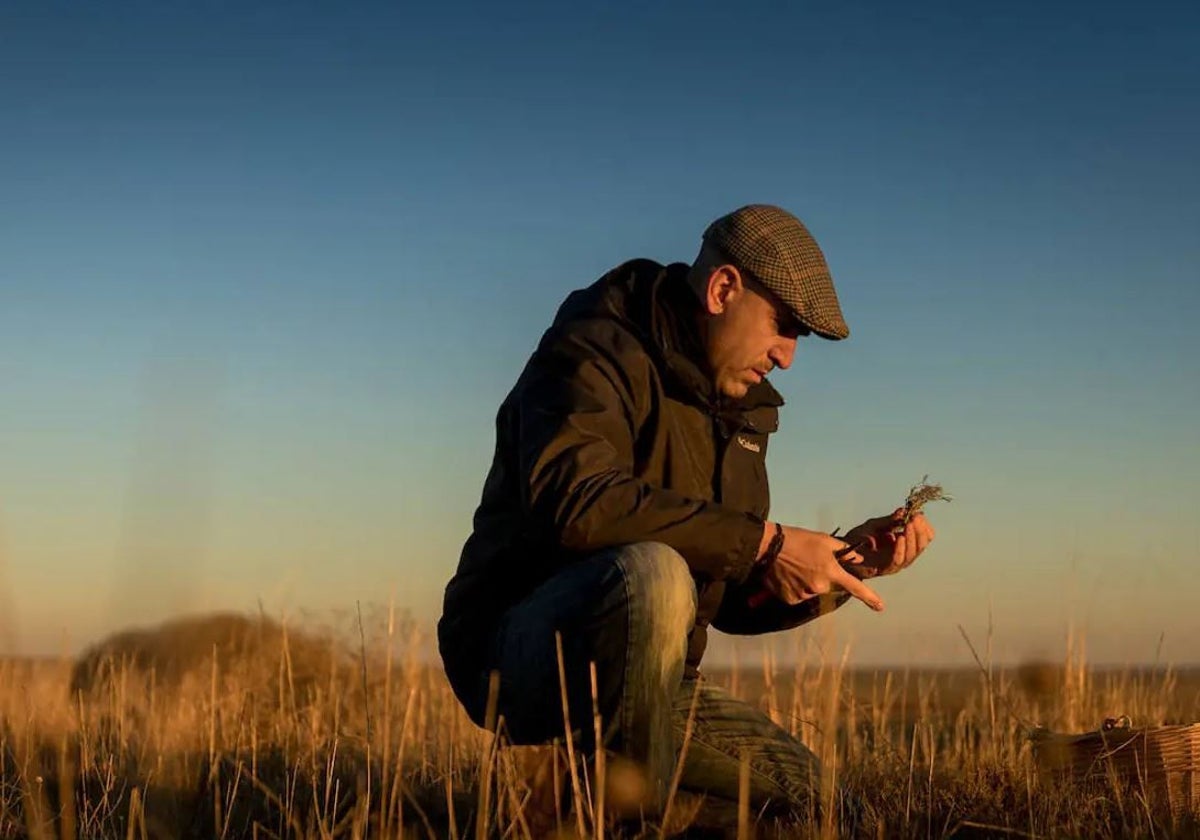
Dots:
(886, 545)
(808, 566)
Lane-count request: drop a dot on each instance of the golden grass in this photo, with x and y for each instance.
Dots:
(229, 726)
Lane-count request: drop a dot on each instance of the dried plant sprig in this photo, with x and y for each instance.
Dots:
(921, 494)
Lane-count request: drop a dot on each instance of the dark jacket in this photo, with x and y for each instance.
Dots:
(613, 434)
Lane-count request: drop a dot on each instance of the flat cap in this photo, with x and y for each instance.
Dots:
(775, 248)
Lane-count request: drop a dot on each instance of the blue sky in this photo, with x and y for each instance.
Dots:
(266, 271)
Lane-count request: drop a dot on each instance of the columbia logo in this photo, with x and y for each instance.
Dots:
(746, 443)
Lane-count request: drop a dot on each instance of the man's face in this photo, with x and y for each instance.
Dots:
(750, 332)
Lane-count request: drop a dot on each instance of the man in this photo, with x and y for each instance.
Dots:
(626, 510)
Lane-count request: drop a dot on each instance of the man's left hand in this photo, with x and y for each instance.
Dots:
(888, 544)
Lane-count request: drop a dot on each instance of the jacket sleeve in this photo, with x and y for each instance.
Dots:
(738, 617)
(586, 395)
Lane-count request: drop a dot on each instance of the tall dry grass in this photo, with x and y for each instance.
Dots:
(228, 726)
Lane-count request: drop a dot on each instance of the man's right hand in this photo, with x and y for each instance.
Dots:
(807, 567)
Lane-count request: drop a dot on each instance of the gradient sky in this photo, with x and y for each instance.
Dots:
(267, 270)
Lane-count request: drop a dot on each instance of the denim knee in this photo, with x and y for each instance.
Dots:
(657, 576)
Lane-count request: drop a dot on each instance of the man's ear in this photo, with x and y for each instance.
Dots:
(724, 284)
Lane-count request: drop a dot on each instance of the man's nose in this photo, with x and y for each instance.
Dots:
(783, 353)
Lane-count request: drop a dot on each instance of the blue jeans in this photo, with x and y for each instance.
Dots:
(629, 610)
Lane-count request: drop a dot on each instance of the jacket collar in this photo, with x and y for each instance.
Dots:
(672, 322)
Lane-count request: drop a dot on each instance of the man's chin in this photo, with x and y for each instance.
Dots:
(734, 390)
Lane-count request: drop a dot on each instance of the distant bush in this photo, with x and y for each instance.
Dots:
(254, 650)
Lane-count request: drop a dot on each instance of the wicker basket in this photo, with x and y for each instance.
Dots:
(1162, 762)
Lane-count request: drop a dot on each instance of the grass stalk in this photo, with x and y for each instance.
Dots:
(572, 765)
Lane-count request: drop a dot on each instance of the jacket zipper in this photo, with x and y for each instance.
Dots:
(724, 439)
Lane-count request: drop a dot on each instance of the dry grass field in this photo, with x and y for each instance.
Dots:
(227, 726)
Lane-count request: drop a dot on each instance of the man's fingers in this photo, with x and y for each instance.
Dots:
(913, 540)
(858, 589)
(926, 531)
(922, 539)
(798, 595)
(921, 532)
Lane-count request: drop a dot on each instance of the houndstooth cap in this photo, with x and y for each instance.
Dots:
(775, 248)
